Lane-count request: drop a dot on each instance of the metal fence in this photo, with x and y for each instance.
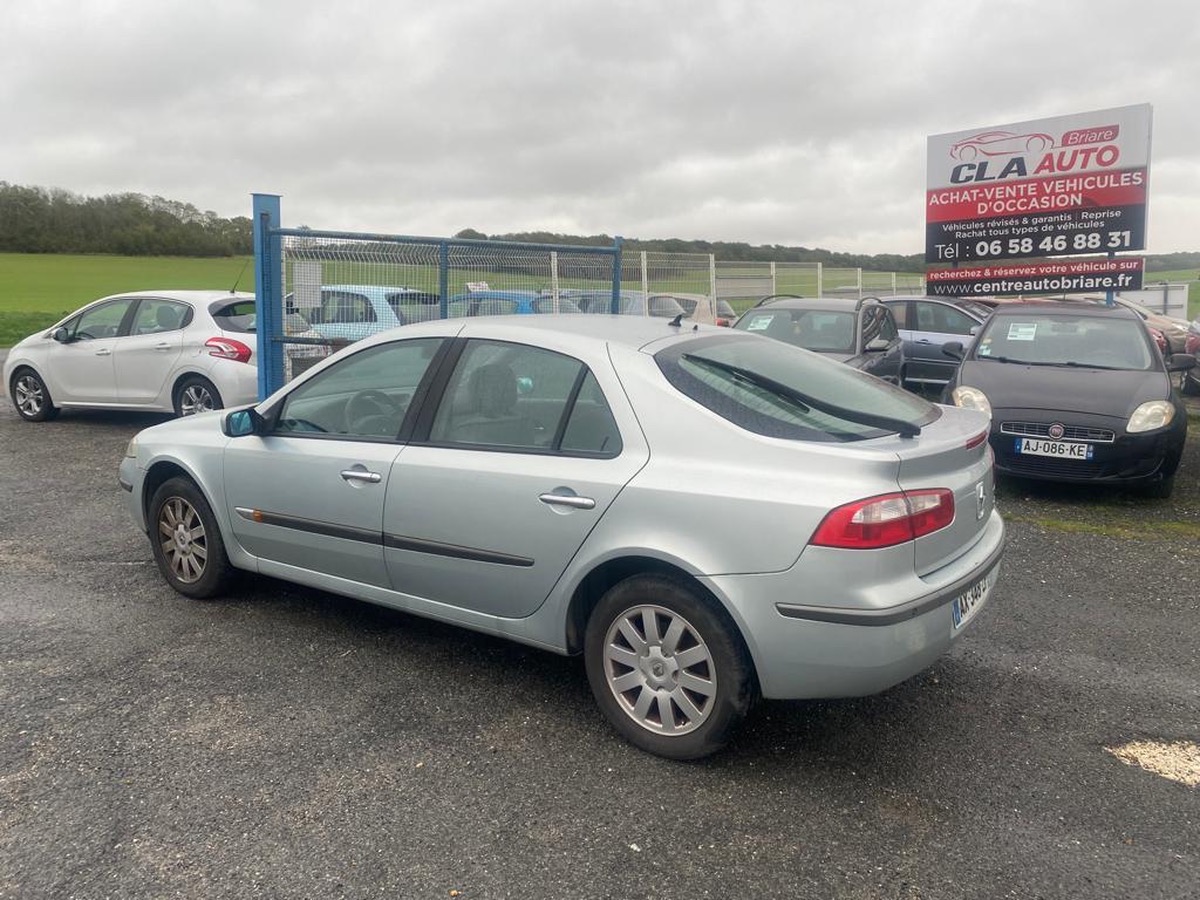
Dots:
(318, 290)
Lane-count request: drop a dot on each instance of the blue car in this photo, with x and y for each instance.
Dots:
(352, 311)
(507, 303)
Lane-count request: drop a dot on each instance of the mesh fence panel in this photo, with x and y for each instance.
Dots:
(340, 289)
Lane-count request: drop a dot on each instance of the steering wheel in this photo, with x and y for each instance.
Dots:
(371, 412)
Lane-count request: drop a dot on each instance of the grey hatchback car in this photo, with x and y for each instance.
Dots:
(706, 516)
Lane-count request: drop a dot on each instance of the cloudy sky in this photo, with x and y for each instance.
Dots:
(800, 122)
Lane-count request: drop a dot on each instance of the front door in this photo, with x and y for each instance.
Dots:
(310, 493)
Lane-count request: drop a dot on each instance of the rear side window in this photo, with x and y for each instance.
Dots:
(517, 398)
(777, 390)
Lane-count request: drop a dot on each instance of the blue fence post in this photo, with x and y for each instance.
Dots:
(618, 241)
(268, 302)
(444, 280)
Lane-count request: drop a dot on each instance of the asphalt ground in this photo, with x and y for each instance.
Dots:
(286, 743)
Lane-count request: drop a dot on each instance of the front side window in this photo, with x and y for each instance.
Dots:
(877, 324)
(364, 396)
(103, 321)
(771, 389)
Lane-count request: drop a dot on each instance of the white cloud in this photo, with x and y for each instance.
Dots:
(763, 122)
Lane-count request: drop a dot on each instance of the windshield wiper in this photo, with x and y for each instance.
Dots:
(905, 429)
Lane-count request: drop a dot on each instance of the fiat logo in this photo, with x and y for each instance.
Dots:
(1057, 430)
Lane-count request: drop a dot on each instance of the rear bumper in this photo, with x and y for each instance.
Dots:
(809, 651)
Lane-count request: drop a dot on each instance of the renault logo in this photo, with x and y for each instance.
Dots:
(980, 501)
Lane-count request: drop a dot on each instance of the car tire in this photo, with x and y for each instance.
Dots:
(186, 541)
(31, 397)
(667, 667)
(195, 395)
(1189, 385)
(1161, 489)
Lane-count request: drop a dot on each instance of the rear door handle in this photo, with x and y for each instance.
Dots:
(571, 500)
(361, 474)
(104, 351)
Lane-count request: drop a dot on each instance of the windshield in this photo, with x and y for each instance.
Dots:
(780, 391)
(1062, 339)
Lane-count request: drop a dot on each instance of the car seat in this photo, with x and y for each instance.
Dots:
(489, 414)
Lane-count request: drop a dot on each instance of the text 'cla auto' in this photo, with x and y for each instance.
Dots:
(708, 516)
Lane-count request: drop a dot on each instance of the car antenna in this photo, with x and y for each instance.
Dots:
(677, 321)
(233, 290)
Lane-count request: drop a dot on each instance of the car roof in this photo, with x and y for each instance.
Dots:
(371, 290)
(199, 297)
(846, 304)
(630, 331)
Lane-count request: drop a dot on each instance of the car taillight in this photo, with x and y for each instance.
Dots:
(974, 442)
(886, 520)
(228, 348)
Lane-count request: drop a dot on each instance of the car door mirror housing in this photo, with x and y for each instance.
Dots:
(878, 344)
(953, 349)
(60, 334)
(1180, 362)
(241, 422)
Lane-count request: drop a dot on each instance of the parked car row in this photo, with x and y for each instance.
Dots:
(1074, 392)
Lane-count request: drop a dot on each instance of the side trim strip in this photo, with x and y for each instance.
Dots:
(345, 532)
(391, 541)
(893, 614)
(437, 548)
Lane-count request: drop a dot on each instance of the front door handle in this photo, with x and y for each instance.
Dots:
(360, 474)
(104, 351)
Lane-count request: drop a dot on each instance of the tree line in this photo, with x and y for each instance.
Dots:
(51, 220)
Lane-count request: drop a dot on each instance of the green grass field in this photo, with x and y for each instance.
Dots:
(38, 289)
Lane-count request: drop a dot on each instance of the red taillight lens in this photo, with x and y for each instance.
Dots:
(886, 520)
(974, 442)
(228, 348)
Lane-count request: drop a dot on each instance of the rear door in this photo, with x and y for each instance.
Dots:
(520, 462)
(145, 358)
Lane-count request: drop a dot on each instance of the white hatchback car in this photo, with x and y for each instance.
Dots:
(168, 351)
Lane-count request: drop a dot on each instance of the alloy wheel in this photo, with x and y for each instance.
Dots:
(183, 539)
(660, 670)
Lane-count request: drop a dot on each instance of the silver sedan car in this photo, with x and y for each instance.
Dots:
(707, 516)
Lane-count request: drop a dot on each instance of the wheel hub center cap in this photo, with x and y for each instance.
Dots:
(183, 540)
(659, 669)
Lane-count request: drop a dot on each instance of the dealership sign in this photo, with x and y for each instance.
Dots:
(1052, 187)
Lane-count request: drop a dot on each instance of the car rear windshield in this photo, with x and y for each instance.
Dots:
(777, 390)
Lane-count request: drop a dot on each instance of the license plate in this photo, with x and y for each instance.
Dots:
(969, 602)
(1060, 449)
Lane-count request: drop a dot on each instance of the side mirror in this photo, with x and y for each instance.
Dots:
(1180, 362)
(953, 349)
(877, 345)
(59, 334)
(241, 422)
